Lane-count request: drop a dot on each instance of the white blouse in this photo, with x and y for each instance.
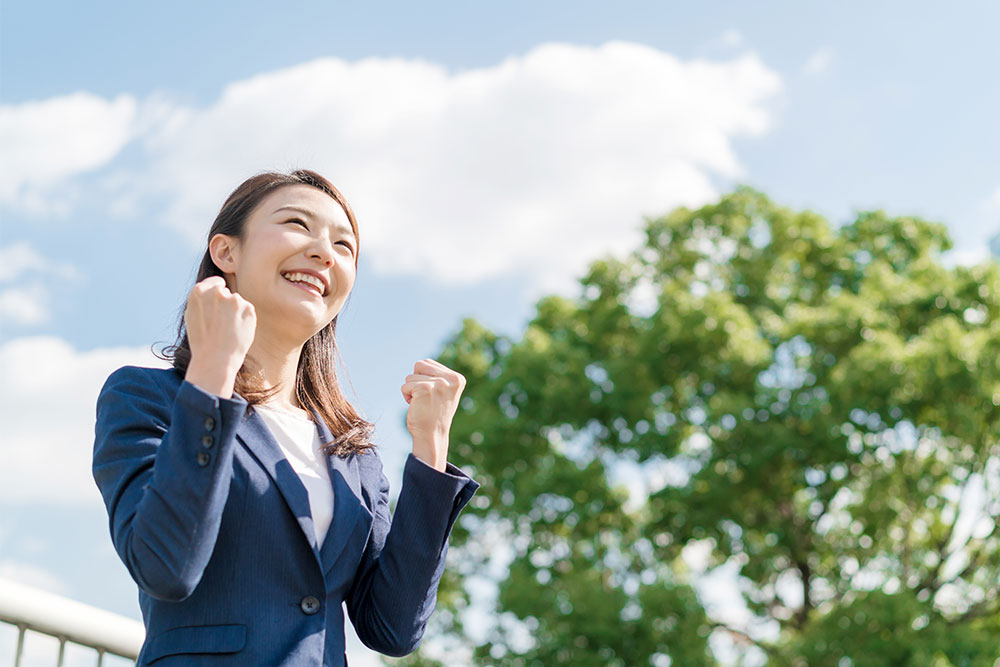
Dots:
(299, 440)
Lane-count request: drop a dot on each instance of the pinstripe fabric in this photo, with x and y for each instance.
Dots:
(214, 526)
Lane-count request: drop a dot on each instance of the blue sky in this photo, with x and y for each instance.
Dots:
(490, 150)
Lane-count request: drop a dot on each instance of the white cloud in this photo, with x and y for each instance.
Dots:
(532, 166)
(16, 259)
(20, 259)
(25, 306)
(819, 61)
(994, 200)
(47, 405)
(732, 38)
(529, 168)
(726, 42)
(29, 574)
(47, 142)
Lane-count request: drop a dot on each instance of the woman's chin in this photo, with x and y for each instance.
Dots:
(303, 318)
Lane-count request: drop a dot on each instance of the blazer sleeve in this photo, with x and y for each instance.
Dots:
(163, 465)
(395, 588)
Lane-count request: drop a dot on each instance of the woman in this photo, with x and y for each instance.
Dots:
(243, 493)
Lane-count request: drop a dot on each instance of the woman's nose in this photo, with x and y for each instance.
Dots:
(325, 258)
(323, 251)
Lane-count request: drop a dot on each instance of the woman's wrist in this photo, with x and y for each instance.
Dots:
(432, 450)
(218, 379)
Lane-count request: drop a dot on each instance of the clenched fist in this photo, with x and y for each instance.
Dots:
(432, 391)
(220, 328)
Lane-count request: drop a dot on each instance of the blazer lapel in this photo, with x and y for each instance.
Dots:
(256, 436)
(348, 503)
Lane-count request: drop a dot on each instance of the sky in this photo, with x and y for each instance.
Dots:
(490, 151)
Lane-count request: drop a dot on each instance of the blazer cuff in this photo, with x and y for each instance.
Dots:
(208, 414)
(195, 397)
(203, 427)
(438, 494)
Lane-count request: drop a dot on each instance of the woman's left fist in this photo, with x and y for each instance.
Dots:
(432, 391)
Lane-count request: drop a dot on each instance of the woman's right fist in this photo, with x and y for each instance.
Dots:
(220, 325)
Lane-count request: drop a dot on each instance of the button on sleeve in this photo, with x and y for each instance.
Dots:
(163, 487)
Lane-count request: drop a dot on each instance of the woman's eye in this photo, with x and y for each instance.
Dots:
(346, 245)
(299, 221)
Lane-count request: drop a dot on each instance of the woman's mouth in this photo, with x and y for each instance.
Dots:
(305, 282)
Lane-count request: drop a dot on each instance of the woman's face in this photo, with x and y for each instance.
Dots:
(296, 234)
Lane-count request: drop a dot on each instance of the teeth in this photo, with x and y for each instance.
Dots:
(295, 276)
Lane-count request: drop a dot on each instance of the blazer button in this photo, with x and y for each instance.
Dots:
(203, 459)
(309, 605)
(209, 423)
(207, 442)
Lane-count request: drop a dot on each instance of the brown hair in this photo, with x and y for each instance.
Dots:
(316, 386)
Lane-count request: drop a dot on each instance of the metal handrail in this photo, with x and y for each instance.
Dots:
(67, 620)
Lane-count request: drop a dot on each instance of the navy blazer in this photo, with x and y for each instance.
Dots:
(214, 526)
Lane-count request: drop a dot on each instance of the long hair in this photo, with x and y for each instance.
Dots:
(316, 385)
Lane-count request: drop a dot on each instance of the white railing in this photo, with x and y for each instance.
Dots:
(32, 609)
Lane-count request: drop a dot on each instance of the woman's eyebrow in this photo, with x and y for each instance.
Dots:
(346, 231)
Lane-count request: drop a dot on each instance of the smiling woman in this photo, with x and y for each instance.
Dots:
(257, 238)
(245, 495)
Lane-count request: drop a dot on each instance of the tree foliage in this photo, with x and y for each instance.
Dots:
(805, 405)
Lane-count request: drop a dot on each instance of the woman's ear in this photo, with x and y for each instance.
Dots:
(222, 248)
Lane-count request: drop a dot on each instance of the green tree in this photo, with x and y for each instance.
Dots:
(808, 404)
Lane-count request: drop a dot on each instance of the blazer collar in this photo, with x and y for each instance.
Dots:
(348, 503)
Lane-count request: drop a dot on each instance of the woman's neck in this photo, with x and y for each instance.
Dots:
(278, 364)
